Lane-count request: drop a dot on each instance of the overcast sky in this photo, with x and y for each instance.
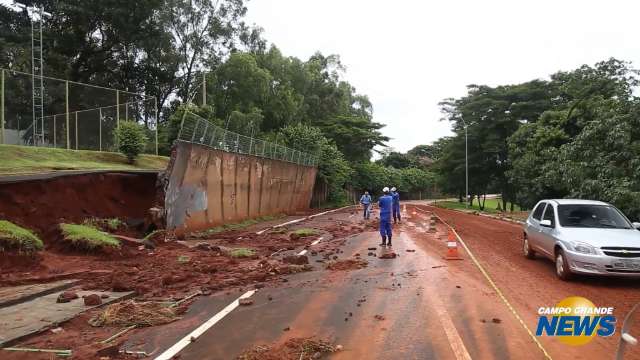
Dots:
(409, 55)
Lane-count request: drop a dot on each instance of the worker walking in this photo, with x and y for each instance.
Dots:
(365, 200)
(385, 204)
(396, 205)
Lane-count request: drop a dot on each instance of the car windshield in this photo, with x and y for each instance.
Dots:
(592, 216)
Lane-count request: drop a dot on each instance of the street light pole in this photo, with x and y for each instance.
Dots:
(466, 168)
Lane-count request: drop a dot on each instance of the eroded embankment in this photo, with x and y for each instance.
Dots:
(42, 204)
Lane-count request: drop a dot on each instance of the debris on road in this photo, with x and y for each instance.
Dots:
(372, 248)
(379, 317)
(496, 321)
(128, 313)
(92, 300)
(292, 349)
(67, 296)
(245, 302)
(390, 255)
(349, 264)
(411, 250)
(296, 259)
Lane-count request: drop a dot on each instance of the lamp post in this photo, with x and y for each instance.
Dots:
(466, 167)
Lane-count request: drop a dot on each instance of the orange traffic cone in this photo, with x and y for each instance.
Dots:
(452, 247)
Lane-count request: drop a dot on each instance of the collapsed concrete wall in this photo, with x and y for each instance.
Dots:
(209, 187)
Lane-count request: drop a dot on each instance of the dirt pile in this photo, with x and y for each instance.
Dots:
(292, 349)
(130, 312)
(350, 264)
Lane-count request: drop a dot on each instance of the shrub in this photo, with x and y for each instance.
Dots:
(88, 237)
(112, 224)
(131, 139)
(14, 237)
(241, 253)
(304, 232)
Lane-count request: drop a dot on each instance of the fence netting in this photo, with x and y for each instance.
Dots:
(72, 115)
(195, 129)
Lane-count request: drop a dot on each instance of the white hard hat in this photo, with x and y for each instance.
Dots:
(393, 188)
(385, 189)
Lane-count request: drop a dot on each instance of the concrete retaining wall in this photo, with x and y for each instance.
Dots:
(209, 187)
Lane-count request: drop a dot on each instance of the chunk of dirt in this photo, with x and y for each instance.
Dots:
(390, 255)
(496, 321)
(372, 248)
(411, 250)
(350, 264)
(92, 300)
(296, 259)
(292, 349)
(245, 302)
(66, 296)
(379, 317)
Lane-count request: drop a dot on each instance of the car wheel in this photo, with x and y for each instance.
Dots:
(526, 249)
(562, 266)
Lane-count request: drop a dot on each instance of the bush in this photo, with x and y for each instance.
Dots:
(131, 139)
(14, 237)
(241, 253)
(87, 237)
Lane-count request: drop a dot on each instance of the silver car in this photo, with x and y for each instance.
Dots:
(583, 237)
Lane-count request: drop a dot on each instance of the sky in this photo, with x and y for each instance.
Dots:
(409, 55)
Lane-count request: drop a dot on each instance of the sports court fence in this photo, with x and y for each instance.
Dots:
(195, 129)
(73, 116)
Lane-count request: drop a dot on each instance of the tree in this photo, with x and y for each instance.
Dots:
(131, 139)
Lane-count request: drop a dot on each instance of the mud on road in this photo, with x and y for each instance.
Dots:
(344, 292)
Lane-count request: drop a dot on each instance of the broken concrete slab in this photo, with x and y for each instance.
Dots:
(36, 315)
(17, 294)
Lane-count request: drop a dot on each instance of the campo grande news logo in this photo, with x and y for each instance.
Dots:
(576, 321)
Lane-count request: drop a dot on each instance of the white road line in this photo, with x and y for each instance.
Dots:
(185, 341)
(450, 331)
(301, 219)
(313, 243)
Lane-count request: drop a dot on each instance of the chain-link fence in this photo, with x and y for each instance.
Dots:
(73, 116)
(196, 129)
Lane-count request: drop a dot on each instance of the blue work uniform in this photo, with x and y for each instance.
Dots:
(396, 206)
(385, 204)
(365, 200)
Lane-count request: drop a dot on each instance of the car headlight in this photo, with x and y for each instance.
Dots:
(583, 248)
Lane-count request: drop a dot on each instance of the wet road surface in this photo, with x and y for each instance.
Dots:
(427, 307)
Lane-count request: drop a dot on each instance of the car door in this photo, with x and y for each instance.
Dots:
(547, 239)
(533, 225)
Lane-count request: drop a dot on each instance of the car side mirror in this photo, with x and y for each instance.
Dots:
(546, 223)
(636, 225)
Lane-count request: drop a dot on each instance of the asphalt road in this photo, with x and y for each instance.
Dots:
(428, 308)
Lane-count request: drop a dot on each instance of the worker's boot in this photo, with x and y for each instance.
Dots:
(389, 243)
(384, 241)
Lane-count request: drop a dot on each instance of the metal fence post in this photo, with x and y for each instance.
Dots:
(195, 129)
(238, 142)
(2, 107)
(54, 132)
(155, 105)
(100, 127)
(76, 130)
(117, 108)
(204, 88)
(66, 111)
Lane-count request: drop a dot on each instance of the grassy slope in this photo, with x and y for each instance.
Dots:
(26, 159)
(489, 206)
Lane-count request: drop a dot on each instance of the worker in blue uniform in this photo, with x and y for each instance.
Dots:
(385, 203)
(396, 205)
(365, 200)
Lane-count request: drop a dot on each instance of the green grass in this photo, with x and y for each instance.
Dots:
(490, 205)
(29, 159)
(305, 232)
(14, 237)
(235, 226)
(241, 252)
(112, 224)
(88, 237)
